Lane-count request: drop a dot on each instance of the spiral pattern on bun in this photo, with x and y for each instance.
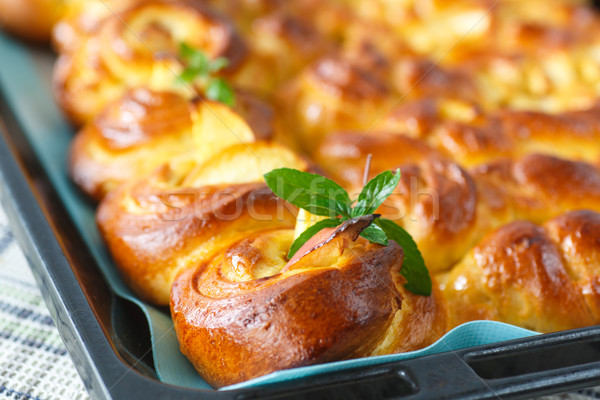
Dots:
(541, 277)
(145, 129)
(139, 48)
(248, 311)
(448, 209)
(162, 223)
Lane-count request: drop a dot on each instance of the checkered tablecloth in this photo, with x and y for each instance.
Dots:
(34, 363)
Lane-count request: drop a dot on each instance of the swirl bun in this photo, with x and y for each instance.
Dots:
(185, 210)
(543, 278)
(462, 131)
(139, 48)
(246, 311)
(447, 209)
(331, 94)
(145, 129)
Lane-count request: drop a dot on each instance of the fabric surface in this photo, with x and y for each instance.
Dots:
(34, 363)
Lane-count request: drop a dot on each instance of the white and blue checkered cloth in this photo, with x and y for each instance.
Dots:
(34, 364)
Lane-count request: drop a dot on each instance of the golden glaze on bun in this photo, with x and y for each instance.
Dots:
(463, 131)
(185, 210)
(246, 311)
(543, 278)
(139, 48)
(448, 209)
(145, 129)
(81, 18)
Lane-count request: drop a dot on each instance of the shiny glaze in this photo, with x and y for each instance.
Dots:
(342, 300)
(539, 277)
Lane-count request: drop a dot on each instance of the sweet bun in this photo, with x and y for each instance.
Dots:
(30, 19)
(145, 129)
(186, 210)
(465, 132)
(541, 277)
(248, 311)
(139, 48)
(448, 209)
(80, 19)
(331, 94)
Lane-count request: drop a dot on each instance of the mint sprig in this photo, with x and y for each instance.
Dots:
(314, 193)
(321, 196)
(199, 68)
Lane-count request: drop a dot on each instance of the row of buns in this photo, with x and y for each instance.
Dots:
(489, 110)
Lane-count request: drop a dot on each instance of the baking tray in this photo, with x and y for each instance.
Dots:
(109, 341)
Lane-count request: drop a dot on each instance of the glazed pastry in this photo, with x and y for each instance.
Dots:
(247, 311)
(31, 19)
(186, 210)
(80, 19)
(362, 90)
(331, 94)
(139, 48)
(448, 209)
(463, 131)
(145, 129)
(541, 277)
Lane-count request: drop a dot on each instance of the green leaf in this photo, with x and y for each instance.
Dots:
(375, 234)
(186, 51)
(188, 75)
(195, 59)
(310, 232)
(314, 193)
(375, 192)
(219, 90)
(413, 268)
(218, 64)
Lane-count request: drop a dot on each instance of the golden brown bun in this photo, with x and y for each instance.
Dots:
(361, 89)
(144, 129)
(331, 94)
(280, 44)
(30, 19)
(139, 48)
(543, 278)
(436, 201)
(80, 19)
(247, 311)
(184, 211)
(447, 209)
(462, 131)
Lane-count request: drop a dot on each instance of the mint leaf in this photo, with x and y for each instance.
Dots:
(195, 59)
(198, 65)
(375, 192)
(310, 232)
(375, 234)
(220, 90)
(413, 267)
(218, 64)
(311, 192)
(188, 75)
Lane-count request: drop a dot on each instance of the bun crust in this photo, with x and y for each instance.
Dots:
(139, 48)
(145, 129)
(539, 277)
(235, 321)
(448, 209)
(183, 211)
